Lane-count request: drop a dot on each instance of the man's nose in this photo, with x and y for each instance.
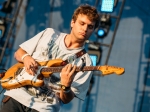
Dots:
(85, 27)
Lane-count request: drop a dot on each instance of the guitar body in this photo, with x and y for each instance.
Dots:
(16, 76)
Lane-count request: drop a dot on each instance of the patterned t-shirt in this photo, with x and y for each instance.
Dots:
(49, 45)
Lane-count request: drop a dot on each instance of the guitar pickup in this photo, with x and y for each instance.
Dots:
(19, 71)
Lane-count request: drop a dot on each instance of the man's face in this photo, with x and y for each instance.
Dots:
(82, 28)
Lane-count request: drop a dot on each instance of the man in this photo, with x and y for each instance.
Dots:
(50, 44)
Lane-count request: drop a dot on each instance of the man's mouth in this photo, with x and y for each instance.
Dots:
(83, 34)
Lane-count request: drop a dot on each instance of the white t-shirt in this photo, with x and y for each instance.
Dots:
(46, 45)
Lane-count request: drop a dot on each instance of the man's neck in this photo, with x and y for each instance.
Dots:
(71, 42)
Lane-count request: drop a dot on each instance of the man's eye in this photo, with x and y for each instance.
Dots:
(82, 23)
(90, 27)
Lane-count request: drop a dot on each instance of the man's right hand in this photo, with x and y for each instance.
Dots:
(30, 65)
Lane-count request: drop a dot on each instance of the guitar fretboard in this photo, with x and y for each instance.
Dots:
(58, 69)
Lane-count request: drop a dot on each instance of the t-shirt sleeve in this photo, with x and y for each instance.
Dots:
(30, 45)
(82, 79)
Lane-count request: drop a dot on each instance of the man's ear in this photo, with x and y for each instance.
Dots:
(72, 23)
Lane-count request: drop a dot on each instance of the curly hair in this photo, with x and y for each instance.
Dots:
(90, 11)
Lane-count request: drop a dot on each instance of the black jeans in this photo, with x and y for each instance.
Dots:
(14, 106)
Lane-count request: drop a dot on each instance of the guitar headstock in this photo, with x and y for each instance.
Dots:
(107, 69)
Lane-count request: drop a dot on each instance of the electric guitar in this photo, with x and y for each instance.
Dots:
(16, 76)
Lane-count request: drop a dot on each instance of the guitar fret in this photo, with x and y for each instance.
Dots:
(52, 69)
(87, 68)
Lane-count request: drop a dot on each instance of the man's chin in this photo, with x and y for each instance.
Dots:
(82, 39)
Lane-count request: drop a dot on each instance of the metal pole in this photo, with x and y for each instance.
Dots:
(114, 34)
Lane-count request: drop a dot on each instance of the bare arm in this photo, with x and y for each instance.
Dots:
(19, 53)
(66, 97)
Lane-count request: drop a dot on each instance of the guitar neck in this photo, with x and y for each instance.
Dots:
(105, 70)
(58, 69)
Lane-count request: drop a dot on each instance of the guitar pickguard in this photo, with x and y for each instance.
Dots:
(22, 78)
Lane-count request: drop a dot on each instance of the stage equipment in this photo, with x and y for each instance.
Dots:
(104, 26)
(108, 5)
(2, 27)
(95, 51)
(7, 6)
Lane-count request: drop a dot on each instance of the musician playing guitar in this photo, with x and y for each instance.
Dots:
(58, 88)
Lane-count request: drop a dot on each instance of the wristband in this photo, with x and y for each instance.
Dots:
(65, 89)
(24, 56)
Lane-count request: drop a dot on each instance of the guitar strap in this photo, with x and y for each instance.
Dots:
(77, 55)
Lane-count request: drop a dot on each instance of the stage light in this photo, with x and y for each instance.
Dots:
(105, 23)
(108, 5)
(95, 51)
(94, 59)
(101, 32)
(7, 6)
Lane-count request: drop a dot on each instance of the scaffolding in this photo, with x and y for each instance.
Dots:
(6, 42)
